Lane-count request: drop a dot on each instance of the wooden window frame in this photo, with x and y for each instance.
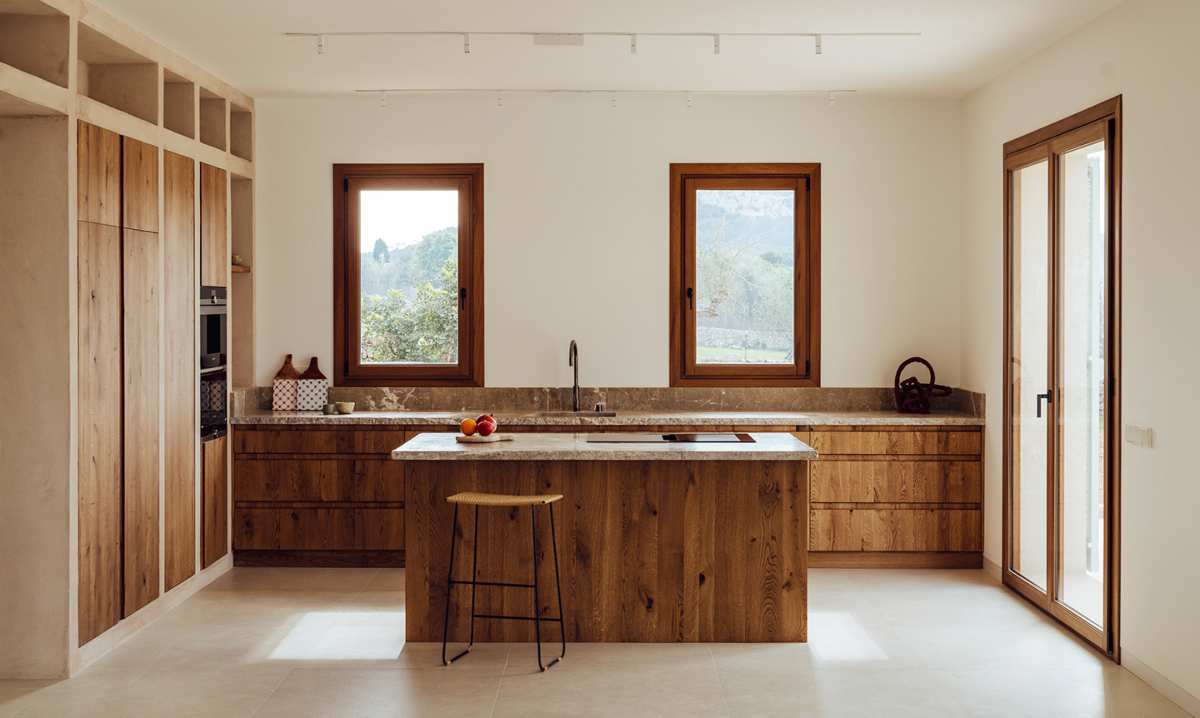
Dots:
(1101, 121)
(348, 369)
(805, 178)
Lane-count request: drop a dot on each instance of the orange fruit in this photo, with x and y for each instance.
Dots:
(467, 427)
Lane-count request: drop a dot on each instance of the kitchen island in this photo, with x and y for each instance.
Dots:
(658, 541)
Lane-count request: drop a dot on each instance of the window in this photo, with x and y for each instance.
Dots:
(745, 274)
(408, 275)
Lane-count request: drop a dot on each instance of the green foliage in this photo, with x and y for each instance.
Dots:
(410, 302)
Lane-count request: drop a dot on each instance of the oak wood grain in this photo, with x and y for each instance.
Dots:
(100, 478)
(99, 171)
(141, 327)
(139, 185)
(179, 396)
(214, 227)
(872, 481)
(214, 490)
(318, 479)
(893, 529)
(896, 442)
(283, 440)
(649, 551)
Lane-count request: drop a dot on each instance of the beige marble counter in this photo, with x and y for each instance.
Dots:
(630, 418)
(575, 447)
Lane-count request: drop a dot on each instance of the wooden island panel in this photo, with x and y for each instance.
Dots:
(650, 551)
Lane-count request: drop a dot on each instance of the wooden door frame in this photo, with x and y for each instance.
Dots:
(1107, 639)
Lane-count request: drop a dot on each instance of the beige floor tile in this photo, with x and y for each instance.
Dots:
(330, 642)
(382, 692)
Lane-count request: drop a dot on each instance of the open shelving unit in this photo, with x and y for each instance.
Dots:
(214, 119)
(116, 76)
(241, 132)
(179, 104)
(241, 229)
(35, 38)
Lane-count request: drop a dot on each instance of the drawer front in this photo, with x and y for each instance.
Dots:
(895, 530)
(900, 442)
(896, 481)
(316, 441)
(317, 529)
(318, 480)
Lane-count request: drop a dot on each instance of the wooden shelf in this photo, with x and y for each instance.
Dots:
(114, 75)
(35, 38)
(179, 104)
(239, 269)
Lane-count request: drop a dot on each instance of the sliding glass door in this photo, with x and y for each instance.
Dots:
(1061, 469)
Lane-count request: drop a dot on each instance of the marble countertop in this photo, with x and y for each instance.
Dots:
(623, 418)
(575, 447)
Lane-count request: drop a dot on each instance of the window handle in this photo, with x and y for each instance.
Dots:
(1042, 397)
(462, 297)
(691, 296)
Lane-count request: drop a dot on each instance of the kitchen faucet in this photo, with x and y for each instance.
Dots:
(573, 361)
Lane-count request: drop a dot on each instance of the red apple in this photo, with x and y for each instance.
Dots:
(481, 417)
(486, 427)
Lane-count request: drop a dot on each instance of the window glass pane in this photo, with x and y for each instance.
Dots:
(408, 276)
(745, 276)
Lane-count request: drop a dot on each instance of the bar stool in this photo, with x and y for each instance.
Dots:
(476, 499)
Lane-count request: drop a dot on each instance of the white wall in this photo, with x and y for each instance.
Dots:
(1147, 51)
(577, 221)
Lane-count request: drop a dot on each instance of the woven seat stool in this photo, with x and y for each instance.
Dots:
(477, 499)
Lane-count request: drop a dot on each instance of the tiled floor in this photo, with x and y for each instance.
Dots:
(330, 642)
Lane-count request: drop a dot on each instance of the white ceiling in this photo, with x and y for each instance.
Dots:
(963, 43)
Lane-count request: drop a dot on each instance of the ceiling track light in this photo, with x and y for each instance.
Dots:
(716, 44)
(817, 41)
(320, 44)
(633, 44)
(466, 43)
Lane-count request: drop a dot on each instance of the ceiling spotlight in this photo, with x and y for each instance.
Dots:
(818, 45)
(716, 44)
(831, 99)
(689, 100)
(384, 102)
(466, 43)
(633, 44)
(499, 99)
(320, 44)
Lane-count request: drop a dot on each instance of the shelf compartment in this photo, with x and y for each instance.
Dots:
(35, 38)
(116, 76)
(241, 210)
(179, 104)
(241, 132)
(213, 118)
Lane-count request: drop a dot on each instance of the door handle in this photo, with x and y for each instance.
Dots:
(1040, 398)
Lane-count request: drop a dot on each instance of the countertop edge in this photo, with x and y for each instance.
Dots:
(631, 419)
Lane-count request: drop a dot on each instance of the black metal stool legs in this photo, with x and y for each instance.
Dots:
(537, 618)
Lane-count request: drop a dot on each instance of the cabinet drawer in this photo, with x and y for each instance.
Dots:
(896, 442)
(896, 481)
(298, 529)
(316, 441)
(318, 480)
(895, 530)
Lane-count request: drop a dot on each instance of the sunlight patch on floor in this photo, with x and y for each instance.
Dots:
(343, 635)
(837, 636)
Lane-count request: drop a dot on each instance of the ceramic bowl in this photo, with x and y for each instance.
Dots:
(345, 407)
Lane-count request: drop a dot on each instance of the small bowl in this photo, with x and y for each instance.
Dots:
(345, 407)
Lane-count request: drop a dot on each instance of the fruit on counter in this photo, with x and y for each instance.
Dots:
(481, 417)
(486, 427)
(467, 427)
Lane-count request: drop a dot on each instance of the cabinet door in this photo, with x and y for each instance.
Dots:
(99, 429)
(140, 282)
(139, 185)
(179, 326)
(99, 191)
(214, 227)
(215, 543)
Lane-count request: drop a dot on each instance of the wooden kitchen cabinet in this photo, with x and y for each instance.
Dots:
(214, 227)
(100, 476)
(139, 186)
(140, 288)
(99, 175)
(896, 496)
(179, 378)
(214, 498)
(318, 496)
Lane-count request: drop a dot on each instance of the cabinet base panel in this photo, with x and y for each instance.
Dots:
(320, 559)
(897, 559)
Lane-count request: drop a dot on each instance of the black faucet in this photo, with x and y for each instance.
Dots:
(573, 361)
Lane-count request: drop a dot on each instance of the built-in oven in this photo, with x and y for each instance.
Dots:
(214, 350)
